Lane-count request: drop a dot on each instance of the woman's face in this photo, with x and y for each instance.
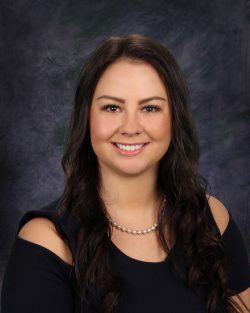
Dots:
(130, 118)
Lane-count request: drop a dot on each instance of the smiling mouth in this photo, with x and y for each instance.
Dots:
(130, 150)
(130, 146)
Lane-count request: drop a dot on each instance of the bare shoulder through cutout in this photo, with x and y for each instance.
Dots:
(41, 230)
(220, 213)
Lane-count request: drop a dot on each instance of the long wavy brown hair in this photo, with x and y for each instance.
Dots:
(187, 214)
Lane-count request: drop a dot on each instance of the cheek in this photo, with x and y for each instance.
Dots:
(100, 126)
(160, 129)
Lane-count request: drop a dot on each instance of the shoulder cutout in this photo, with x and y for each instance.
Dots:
(220, 213)
(42, 231)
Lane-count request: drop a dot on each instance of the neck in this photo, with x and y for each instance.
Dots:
(131, 200)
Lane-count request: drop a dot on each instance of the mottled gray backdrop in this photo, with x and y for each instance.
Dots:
(43, 46)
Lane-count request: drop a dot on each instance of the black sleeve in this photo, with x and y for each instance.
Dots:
(239, 271)
(36, 280)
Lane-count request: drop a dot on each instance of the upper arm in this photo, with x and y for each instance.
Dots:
(42, 231)
(221, 217)
(220, 213)
(35, 279)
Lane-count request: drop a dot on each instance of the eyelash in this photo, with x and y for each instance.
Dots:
(155, 107)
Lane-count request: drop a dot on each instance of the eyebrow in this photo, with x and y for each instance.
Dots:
(123, 101)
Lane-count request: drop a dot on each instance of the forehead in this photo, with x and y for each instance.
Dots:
(131, 76)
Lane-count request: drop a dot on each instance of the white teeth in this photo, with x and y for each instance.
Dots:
(129, 148)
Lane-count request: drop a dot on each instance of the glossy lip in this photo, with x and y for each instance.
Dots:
(130, 153)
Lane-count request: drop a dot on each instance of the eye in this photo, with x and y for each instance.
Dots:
(154, 107)
(107, 106)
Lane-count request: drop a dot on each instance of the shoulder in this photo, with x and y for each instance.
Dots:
(42, 231)
(220, 213)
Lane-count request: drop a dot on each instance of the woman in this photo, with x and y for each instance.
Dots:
(135, 230)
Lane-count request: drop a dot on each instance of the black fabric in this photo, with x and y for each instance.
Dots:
(37, 280)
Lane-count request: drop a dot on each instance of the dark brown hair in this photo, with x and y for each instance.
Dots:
(186, 213)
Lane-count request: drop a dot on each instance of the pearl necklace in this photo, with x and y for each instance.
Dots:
(135, 232)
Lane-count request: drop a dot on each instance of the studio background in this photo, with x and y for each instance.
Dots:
(45, 43)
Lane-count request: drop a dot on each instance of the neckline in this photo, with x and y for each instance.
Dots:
(128, 258)
(172, 251)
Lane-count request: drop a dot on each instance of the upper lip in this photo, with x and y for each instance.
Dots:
(131, 144)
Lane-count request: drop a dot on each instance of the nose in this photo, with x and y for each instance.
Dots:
(131, 124)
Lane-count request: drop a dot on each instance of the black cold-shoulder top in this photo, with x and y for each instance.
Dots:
(36, 280)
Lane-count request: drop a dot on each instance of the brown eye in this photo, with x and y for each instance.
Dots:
(108, 106)
(154, 107)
